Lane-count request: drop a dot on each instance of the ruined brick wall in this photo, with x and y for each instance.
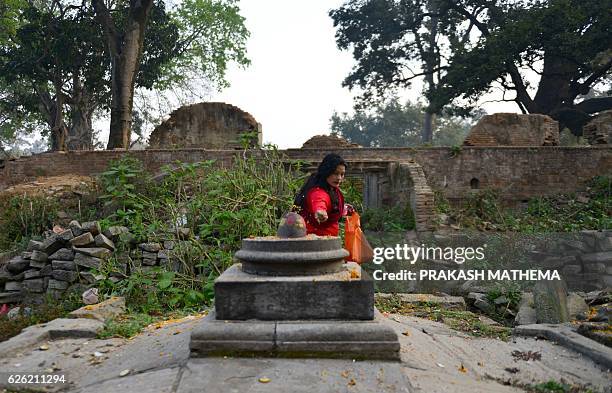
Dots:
(518, 172)
(599, 130)
(207, 125)
(513, 129)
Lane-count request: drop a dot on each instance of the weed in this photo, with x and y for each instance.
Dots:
(127, 325)
(23, 217)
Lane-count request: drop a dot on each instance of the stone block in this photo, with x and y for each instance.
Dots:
(52, 244)
(576, 306)
(595, 267)
(66, 235)
(76, 228)
(150, 247)
(162, 254)
(330, 339)
(114, 232)
(34, 273)
(596, 257)
(11, 297)
(169, 245)
(13, 286)
(149, 262)
(65, 275)
(550, 299)
(149, 255)
(96, 252)
(5, 275)
(90, 278)
(34, 245)
(38, 265)
(101, 311)
(63, 254)
(84, 240)
(36, 285)
(571, 270)
(17, 265)
(46, 270)
(104, 242)
(92, 226)
(26, 254)
(338, 338)
(63, 265)
(526, 314)
(57, 285)
(87, 261)
(605, 244)
(240, 296)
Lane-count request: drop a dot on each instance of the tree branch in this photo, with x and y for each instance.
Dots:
(106, 20)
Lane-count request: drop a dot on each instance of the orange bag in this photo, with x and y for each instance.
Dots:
(355, 241)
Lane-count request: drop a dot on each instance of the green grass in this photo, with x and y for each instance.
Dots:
(464, 321)
(126, 326)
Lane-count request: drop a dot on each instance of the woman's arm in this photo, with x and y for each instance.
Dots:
(319, 203)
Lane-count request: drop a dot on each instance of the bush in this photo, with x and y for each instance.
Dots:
(24, 217)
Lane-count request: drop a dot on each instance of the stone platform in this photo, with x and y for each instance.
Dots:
(323, 339)
(333, 296)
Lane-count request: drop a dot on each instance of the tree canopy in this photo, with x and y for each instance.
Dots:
(472, 47)
(393, 124)
(57, 69)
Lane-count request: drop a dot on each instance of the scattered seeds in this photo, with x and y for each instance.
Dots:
(264, 380)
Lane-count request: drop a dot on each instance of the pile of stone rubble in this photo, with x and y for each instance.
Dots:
(71, 259)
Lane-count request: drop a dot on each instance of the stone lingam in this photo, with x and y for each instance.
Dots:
(294, 297)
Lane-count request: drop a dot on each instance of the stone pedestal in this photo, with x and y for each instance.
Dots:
(241, 296)
(294, 298)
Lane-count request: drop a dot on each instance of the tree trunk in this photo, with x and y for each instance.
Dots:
(80, 134)
(126, 52)
(427, 134)
(554, 87)
(53, 111)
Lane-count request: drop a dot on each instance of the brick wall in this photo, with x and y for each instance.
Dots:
(519, 172)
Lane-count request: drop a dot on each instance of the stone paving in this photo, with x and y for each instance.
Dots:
(434, 358)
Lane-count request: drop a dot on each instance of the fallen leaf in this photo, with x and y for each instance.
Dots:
(352, 382)
(440, 365)
(124, 372)
(43, 347)
(406, 333)
(264, 380)
(344, 374)
(462, 368)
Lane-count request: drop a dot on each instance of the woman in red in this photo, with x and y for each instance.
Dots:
(320, 200)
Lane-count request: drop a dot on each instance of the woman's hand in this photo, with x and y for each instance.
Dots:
(321, 216)
(349, 209)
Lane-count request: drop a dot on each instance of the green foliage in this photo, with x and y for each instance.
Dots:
(395, 219)
(465, 321)
(219, 205)
(352, 189)
(462, 49)
(47, 311)
(125, 326)
(24, 217)
(483, 210)
(391, 124)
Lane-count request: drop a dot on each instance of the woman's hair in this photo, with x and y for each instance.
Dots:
(319, 178)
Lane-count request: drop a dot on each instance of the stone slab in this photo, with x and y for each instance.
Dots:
(56, 329)
(155, 381)
(567, 337)
(444, 302)
(304, 339)
(242, 296)
(234, 375)
(101, 311)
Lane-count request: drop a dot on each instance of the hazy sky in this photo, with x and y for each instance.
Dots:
(294, 82)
